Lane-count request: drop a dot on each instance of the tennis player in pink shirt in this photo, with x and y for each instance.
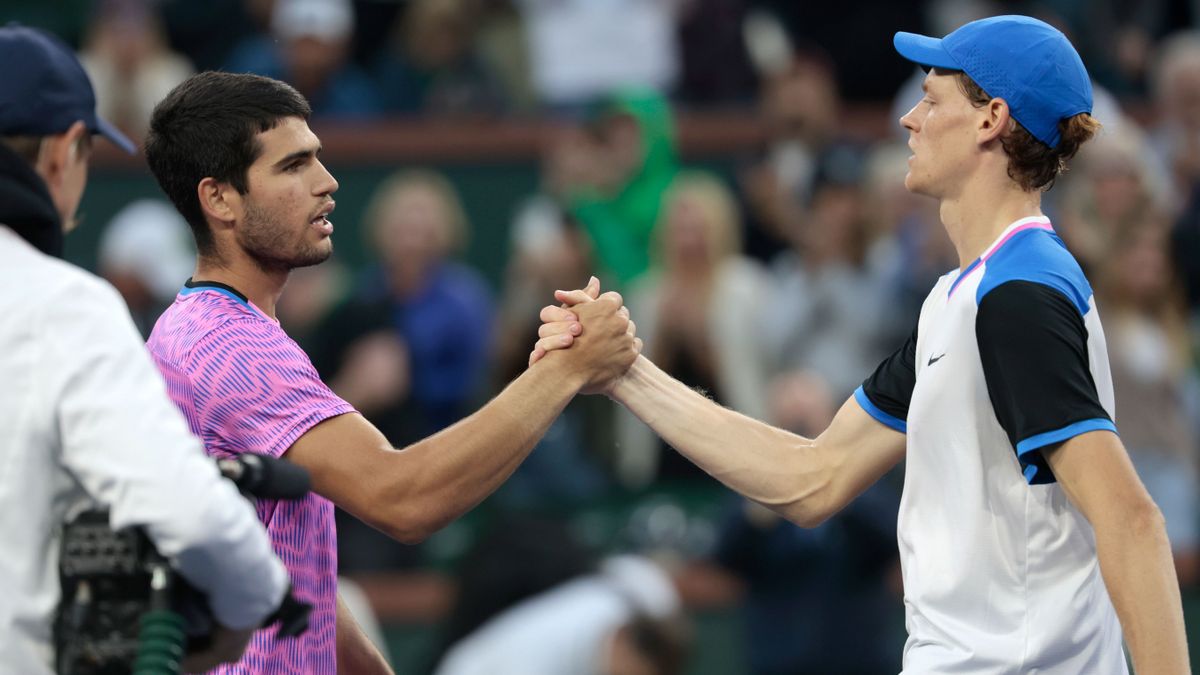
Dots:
(236, 156)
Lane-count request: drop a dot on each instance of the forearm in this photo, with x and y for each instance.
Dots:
(355, 652)
(781, 470)
(1135, 559)
(450, 472)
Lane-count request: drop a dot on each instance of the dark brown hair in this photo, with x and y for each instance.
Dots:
(1031, 163)
(208, 127)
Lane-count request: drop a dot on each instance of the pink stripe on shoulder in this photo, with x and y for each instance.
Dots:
(1038, 224)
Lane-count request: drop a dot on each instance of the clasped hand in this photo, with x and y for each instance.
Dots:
(595, 333)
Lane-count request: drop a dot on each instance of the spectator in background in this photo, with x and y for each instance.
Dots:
(146, 252)
(1152, 377)
(621, 619)
(799, 107)
(127, 57)
(910, 250)
(715, 65)
(1113, 189)
(581, 50)
(698, 314)
(619, 174)
(822, 600)
(433, 66)
(417, 302)
(831, 323)
(308, 48)
(1175, 137)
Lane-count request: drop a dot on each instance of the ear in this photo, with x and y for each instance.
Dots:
(60, 151)
(220, 202)
(995, 121)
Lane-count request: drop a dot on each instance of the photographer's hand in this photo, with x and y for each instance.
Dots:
(227, 647)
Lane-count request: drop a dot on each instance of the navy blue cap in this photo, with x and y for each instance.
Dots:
(1028, 63)
(45, 90)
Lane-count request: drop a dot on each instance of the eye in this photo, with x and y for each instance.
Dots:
(293, 167)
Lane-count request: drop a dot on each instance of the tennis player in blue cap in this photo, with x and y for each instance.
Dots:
(1026, 538)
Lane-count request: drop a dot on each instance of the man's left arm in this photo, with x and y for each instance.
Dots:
(355, 652)
(1034, 348)
(1131, 543)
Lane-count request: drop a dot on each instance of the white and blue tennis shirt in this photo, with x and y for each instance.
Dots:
(1007, 361)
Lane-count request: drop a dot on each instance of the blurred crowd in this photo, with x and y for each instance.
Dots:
(776, 287)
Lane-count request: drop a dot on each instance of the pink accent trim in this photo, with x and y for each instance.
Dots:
(1039, 225)
(1030, 224)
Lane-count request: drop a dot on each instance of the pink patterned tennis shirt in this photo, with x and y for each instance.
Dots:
(245, 386)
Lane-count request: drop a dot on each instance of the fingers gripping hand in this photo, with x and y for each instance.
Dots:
(559, 324)
(608, 344)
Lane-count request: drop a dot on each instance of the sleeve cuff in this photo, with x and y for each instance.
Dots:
(880, 416)
(1032, 465)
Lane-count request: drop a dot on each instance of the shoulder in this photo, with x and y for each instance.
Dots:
(207, 325)
(53, 287)
(1039, 257)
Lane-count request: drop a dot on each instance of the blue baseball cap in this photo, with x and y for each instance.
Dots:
(45, 90)
(1028, 63)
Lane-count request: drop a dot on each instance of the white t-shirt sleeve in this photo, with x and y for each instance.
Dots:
(131, 451)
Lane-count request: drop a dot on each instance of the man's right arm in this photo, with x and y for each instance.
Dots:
(130, 449)
(804, 480)
(413, 492)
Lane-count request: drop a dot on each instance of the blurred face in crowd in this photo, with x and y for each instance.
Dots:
(284, 221)
(942, 137)
(802, 103)
(311, 61)
(687, 237)
(414, 231)
(1117, 189)
(438, 32)
(1181, 95)
(1142, 269)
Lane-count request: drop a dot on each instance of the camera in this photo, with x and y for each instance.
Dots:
(125, 609)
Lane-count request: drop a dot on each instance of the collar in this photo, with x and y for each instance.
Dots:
(26, 205)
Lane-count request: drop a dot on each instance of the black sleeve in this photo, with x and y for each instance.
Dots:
(1033, 346)
(888, 390)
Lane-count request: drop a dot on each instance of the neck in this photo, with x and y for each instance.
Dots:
(977, 216)
(261, 287)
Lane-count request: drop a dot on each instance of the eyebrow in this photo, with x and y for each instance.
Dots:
(299, 154)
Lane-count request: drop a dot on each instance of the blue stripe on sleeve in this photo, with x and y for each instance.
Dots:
(881, 416)
(1059, 435)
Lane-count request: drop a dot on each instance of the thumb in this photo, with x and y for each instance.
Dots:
(593, 288)
(572, 298)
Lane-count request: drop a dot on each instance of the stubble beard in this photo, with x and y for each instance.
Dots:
(274, 247)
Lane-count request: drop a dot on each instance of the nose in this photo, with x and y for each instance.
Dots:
(909, 119)
(326, 183)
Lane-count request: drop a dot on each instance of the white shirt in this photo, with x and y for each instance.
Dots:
(84, 414)
(1000, 569)
(565, 629)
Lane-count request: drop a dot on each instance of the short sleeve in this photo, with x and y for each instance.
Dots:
(885, 395)
(255, 390)
(1033, 345)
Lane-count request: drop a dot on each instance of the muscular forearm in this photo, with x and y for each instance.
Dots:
(804, 480)
(355, 652)
(450, 472)
(1135, 559)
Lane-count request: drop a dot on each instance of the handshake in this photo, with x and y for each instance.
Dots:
(593, 336)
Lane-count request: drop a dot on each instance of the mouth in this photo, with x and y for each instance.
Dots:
(321, 220)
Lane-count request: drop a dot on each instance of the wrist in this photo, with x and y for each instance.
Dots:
(562, 370)
(624, 386)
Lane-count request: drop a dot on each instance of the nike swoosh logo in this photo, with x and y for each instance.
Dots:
(935, 359)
